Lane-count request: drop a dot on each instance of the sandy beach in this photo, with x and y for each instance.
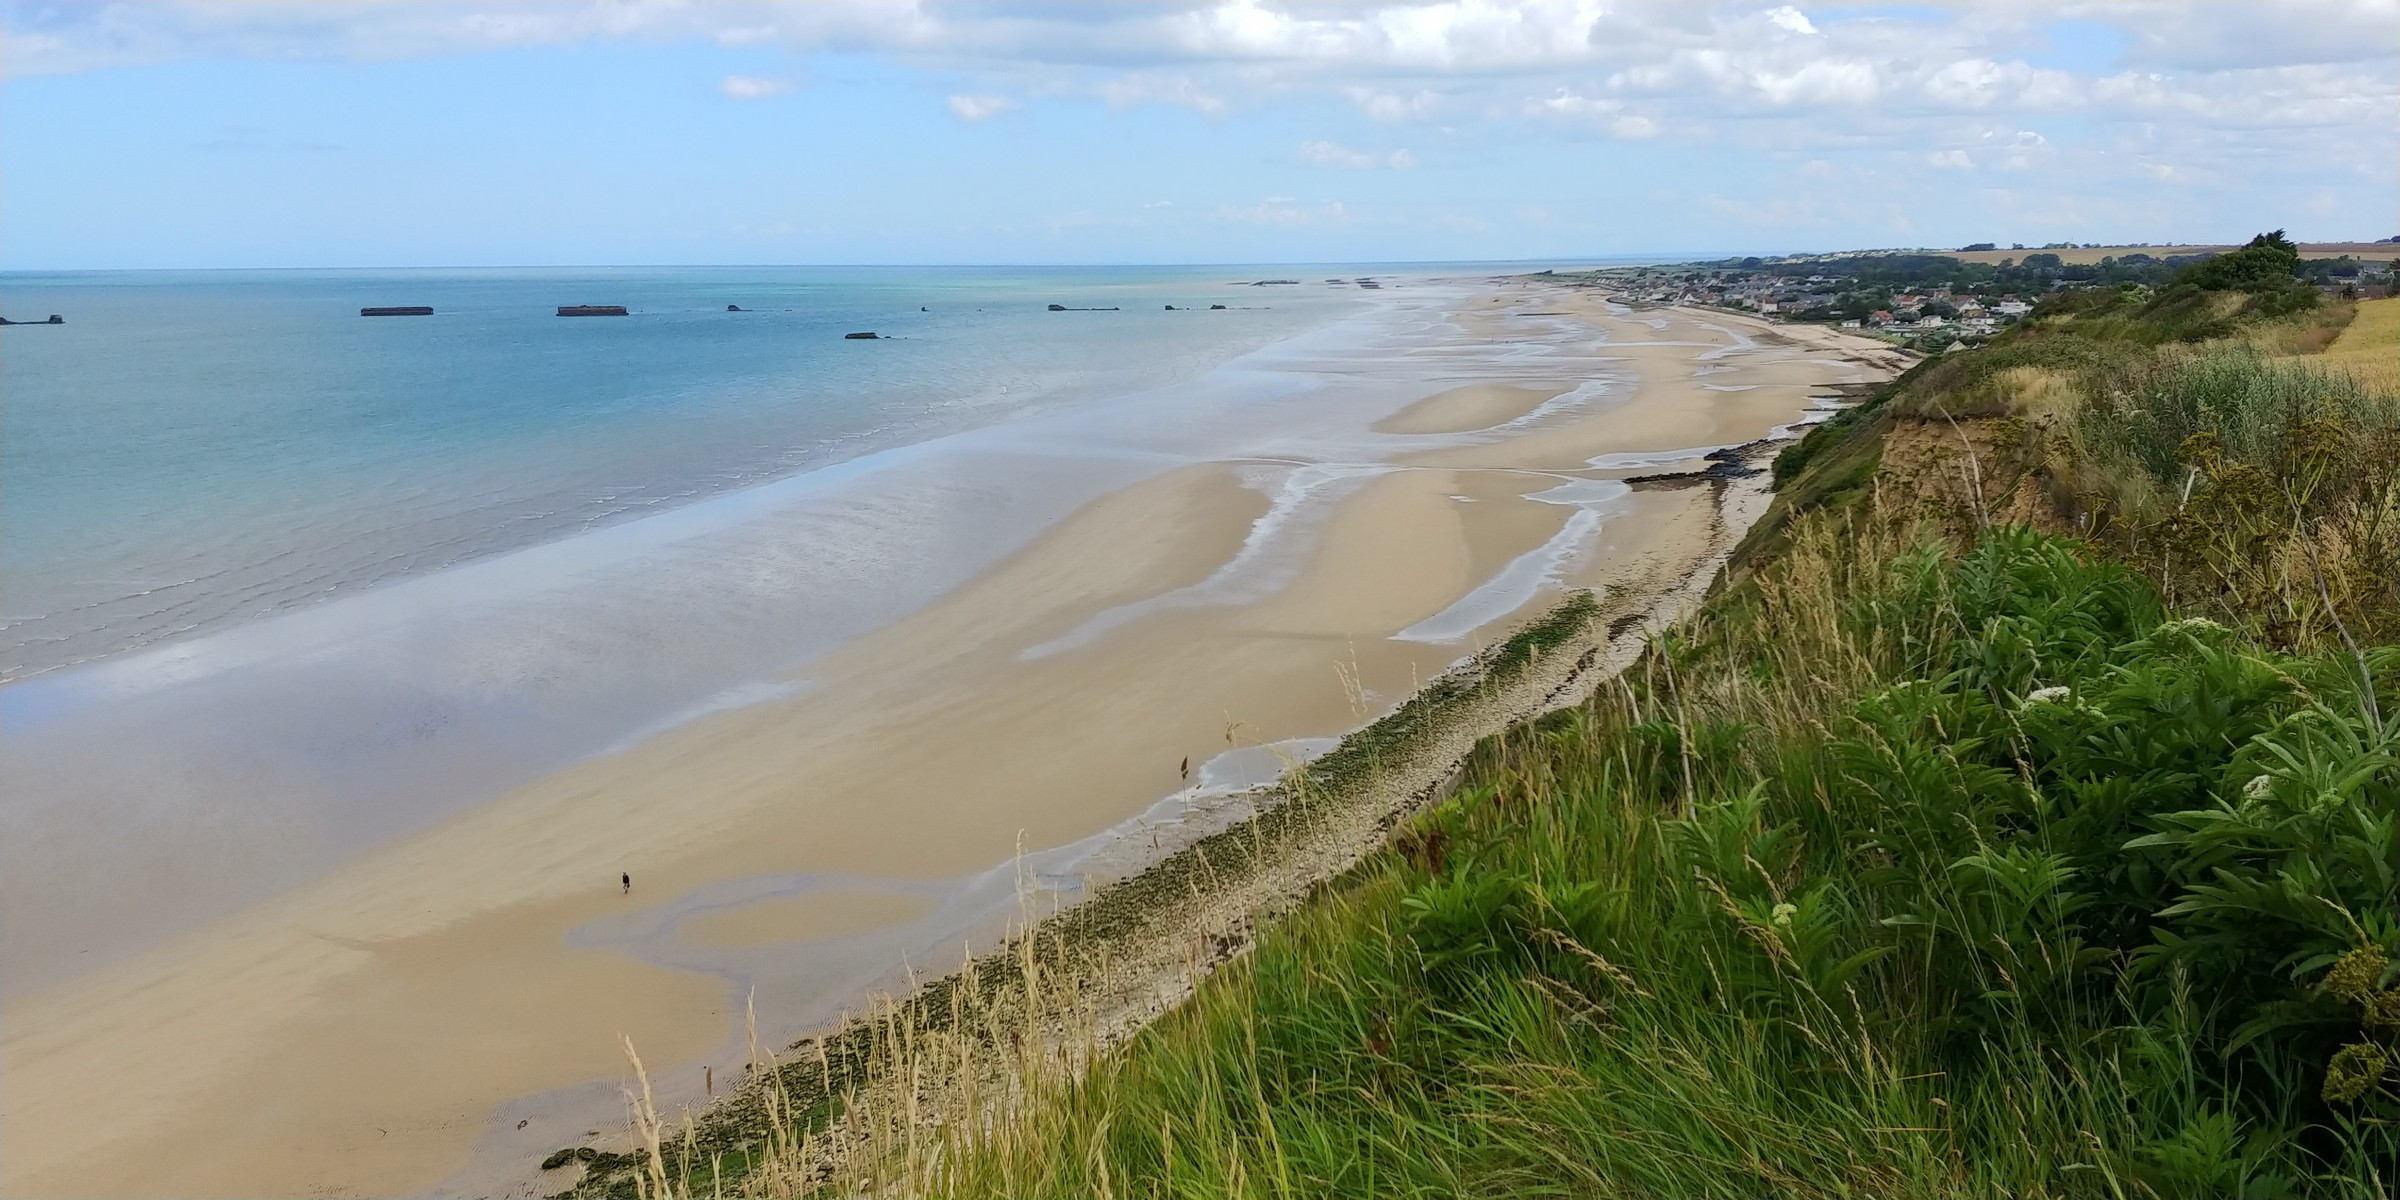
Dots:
(438, 1015)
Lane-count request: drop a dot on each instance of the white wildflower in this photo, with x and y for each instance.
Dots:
(2191, 625)
(1784, 913)
(2056, 694)
(2258, 788)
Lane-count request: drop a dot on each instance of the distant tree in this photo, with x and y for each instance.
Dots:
(1978, 246)
(2266, 264)
(1752, 263)
(2325, 269)
(2042, 262)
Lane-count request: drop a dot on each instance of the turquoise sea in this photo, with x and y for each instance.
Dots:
(196, 449)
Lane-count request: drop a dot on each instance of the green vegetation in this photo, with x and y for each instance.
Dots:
(2021, 819)
(1870, 281)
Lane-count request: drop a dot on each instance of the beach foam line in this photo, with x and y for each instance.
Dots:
(1650, 460)
(1575, 399)
(740, 695)
(1267, 561)
(1526, 575)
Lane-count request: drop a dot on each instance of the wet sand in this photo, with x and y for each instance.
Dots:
(385, 1030)
(1464, 409)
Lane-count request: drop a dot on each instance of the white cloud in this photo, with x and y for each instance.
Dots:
(752, 87)
(1148, 87)
(979, 108)
(1383, 105)
(1331, 154)
(1285, 212)
(2018, 151)
(1599, 112)
(1951, 160)
(1791, 20)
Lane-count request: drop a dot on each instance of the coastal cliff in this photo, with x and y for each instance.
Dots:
(1970, 836)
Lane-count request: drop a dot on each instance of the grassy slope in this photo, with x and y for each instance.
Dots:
(2370, 347)
(1935, 858)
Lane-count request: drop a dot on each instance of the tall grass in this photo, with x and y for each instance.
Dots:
(2368, 350)
(2255, 489)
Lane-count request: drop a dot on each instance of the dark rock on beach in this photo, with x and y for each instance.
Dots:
(1730, 463)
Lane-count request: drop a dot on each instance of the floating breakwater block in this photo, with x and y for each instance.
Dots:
(398, 310)
(862, 337)
(591, 310)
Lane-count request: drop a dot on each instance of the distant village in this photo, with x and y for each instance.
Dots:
(1928, 301)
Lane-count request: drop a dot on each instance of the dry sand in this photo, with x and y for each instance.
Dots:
(366, 1034)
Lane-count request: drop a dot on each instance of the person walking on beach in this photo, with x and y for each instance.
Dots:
(628, 876)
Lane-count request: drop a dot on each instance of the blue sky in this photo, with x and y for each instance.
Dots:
(501, 132)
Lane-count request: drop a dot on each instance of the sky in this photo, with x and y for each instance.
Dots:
(280, 133)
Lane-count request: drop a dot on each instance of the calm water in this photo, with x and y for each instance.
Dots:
(196, 449)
